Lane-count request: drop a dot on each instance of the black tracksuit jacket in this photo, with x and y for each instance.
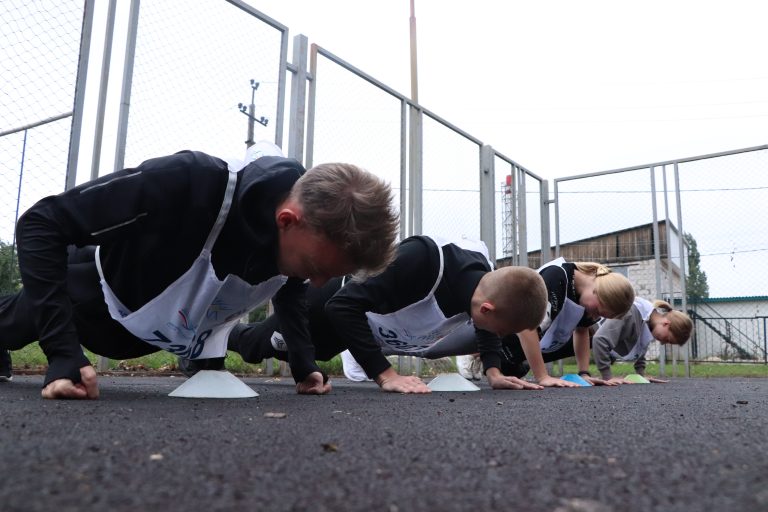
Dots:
(151, 223)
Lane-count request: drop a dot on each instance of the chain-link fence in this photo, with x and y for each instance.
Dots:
(451, 181)
(196, 78)
(685, 231)
(40, 44)
(521, 210)
(433, 166)
(723, 198)
(191, 76)
(364, 125)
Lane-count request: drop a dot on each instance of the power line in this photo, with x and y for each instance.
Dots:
(658, 191)
(733, 252)
(536, 192)
(512, 120)
(634, 107)
(668, 82)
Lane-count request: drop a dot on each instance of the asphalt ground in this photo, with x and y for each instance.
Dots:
(690, 445)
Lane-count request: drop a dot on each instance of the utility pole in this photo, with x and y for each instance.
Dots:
(415, 139)
(250, 112)
(414, 70)
(415, 159)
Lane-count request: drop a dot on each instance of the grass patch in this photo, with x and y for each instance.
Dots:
(31, 357)
(699, 370)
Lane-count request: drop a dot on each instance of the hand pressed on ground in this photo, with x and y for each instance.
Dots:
(313, 385)
(88, 387)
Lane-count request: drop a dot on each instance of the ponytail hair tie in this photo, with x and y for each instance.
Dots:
(602, 270)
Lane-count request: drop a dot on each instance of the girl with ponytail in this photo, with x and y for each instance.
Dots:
(579, 294)
(628, 338)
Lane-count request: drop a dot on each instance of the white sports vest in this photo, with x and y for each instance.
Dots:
(645, 337)
(417, 327)
(194, 315)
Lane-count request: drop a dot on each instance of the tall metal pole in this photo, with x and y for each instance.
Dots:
(414, 66)
(415, 155)
(415, 141)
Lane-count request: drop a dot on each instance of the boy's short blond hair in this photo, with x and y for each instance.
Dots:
(518, 294)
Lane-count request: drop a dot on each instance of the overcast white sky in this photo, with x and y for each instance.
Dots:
(565, 87)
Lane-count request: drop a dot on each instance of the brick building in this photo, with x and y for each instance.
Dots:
(630, 252)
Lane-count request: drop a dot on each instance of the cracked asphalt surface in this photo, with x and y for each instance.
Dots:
(690, 445)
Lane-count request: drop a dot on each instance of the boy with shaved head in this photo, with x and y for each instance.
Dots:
(438, 298)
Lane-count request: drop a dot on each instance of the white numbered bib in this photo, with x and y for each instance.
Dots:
(559, 331)
(194, 315)
(417, 327)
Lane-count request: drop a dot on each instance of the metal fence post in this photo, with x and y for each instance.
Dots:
(103, 362)
(77, 112)
(683, 267)
(657, 259)
(546, 248)
(522, 217)
(416, 171)
(765, 342)
(487, 200)
(298, 98)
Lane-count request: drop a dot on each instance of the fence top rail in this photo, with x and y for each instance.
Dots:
(349, 67)
(667, 162)
(522, 168)
(263, 17)
(368, 78)
(35, 124)
(450, 126)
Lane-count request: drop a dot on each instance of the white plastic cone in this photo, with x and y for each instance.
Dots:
(213, 384)
(451, 382)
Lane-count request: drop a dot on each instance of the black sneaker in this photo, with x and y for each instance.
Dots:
(190, 367)
(6, 370)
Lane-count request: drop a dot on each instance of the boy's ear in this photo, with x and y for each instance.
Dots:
(286, 217)
(487, 307)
